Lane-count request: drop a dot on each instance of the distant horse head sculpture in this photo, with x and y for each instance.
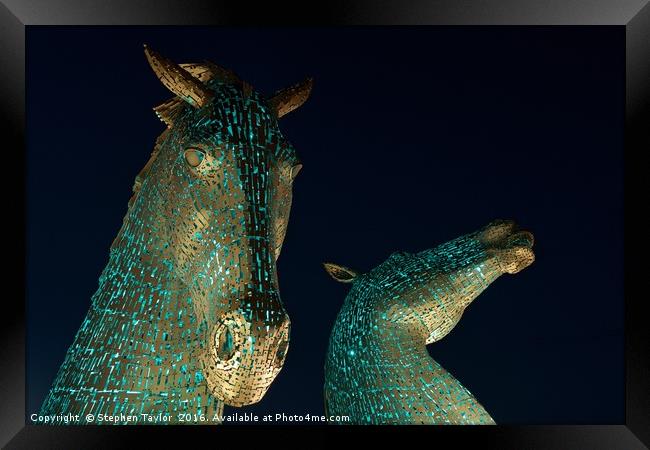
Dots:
(188, 307)
(377, 368)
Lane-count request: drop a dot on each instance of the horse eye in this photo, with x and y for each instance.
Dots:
(194, 157)
(294, 170)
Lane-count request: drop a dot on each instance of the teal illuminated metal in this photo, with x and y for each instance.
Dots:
(378, 370)
(187, 315)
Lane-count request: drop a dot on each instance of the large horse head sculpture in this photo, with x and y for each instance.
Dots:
(188, 313)
(377, 368)
(222, 178)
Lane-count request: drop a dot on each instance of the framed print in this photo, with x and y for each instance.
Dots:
(195, 176)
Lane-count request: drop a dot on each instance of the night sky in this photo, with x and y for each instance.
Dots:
(411, 137)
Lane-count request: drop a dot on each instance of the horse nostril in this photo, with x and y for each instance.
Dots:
(281, 353)
(521, 238)
(225, 345)
(229, 341)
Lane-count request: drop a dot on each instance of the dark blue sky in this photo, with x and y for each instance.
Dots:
(412, 137)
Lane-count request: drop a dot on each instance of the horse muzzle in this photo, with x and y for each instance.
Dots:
(245, 357)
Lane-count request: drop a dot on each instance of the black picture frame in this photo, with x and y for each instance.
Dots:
(633, 15)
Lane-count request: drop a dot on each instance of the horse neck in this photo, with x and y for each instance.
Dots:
(131, 353)
(393, 373)
(135, 289)
(136, 348)
(134, 262)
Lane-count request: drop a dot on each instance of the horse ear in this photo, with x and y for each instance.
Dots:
(340, 273)
(178, 80)
(286, 100)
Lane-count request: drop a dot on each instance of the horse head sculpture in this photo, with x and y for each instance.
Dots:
(377, 368)
(188, 314)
